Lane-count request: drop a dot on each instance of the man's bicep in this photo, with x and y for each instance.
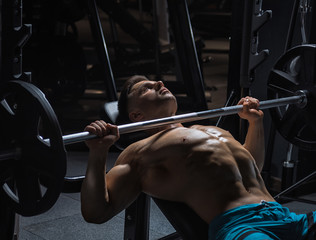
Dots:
(123, 185)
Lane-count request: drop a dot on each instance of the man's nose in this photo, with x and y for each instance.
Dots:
(158, 85)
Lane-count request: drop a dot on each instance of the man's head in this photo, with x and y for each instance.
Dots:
(142, 99)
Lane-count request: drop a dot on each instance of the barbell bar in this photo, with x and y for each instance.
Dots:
(300, 99)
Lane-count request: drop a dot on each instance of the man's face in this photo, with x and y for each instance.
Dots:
(153, 99)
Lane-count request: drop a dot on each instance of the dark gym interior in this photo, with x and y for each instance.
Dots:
(208, 53)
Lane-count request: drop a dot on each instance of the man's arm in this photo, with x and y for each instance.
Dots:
(254, 141)
(104, 195)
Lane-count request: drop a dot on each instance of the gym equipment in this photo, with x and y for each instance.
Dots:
(7, 220)
(294, 71)
(251, 58)
(34, 140)
(34, 158)
(14, 35)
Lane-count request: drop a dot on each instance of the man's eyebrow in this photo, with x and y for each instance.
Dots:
(141, 85)
(132, 88)
(144, 84)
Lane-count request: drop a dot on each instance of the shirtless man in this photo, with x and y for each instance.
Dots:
(201, 166)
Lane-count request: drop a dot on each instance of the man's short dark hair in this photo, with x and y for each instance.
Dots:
(123, 100)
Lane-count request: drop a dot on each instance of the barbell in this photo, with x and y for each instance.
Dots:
(300, 99)
(33, 148)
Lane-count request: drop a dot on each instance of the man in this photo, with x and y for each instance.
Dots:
(201, 166)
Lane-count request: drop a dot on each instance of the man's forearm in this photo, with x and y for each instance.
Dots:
(94, 194)
(254, 142)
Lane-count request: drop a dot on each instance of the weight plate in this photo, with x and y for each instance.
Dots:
(26, 115)
(294, 71)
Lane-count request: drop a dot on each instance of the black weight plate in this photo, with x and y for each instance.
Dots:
(28, 116)
(294, 71)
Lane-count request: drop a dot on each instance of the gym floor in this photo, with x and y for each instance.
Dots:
(64, 220)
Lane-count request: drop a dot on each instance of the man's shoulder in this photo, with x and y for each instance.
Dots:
(132, 151)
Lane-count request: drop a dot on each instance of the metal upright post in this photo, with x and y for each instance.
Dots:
(7, 220)
(137, 219)
(289, 39)
(312, 38)
(254, 19)
(186, 52)
(13, 36)
(102, 50)
(156, 42)
(233, 79)
(1, 55)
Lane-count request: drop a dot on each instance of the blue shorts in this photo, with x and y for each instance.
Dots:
(266, 220)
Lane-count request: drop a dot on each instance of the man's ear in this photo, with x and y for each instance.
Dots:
(136, 116)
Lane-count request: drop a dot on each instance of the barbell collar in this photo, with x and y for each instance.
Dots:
(299, 99)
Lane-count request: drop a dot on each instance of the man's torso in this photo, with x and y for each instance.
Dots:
(204, 167)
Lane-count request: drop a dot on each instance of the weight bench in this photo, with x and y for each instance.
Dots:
(186, 222)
